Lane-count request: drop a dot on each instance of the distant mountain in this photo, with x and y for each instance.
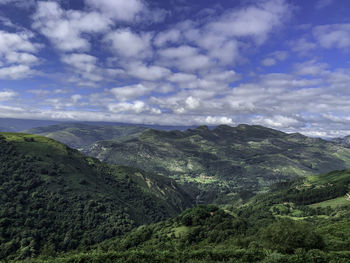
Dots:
(345, 141)
(78, 135)
(226, 160)
(16, 125)
(19, 125)
(53, 196)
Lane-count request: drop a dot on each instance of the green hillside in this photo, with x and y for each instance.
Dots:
(278, 226)
(225, 161)
(78, 135)
(53, 197)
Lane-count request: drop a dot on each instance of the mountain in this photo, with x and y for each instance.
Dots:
(53, 196)
(226, 160)
(78, 135)
(345, 141)
(288, 224)
(16, 125)
(21, 125)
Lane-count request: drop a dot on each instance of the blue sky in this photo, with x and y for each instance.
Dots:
(279, 63)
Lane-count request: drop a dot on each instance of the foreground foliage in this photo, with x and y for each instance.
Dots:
(269, 228)
(53, 198)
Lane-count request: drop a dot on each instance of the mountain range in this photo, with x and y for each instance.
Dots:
(214, 165)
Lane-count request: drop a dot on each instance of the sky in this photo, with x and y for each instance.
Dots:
(283, 64)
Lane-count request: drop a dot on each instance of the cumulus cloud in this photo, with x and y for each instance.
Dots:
(310, 68)
(218, 120)
(193, 71)
(167, 37)
(130, 92)
(253, 21)
(185, 57)
(274, 57)
(144, 72)
(16, 54)
(7, 95)
(76, 98)
(268, 62)
(65, 29)
(279, 122)
(16, 72)
(86, 70)
(128, 44)
(132, 107)
(333, 36)
(118, 9)
(302, 46)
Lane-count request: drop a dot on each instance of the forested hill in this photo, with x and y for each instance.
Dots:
(54, 197)
(225, 159)
(306, 220)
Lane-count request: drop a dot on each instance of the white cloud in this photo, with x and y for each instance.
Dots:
(65, 29)
(311, 67)
(143, 72)
(128, 44)
(182, 78)
(167, 37)
(130, 92)
(86, 71)
(333, 36)
(7, 95)
(192, 103)
(302, 46)
(118, 9)
(16, 72)
(252, 21)
(76, 98)
(185, 58)
(21, 58)
(136, 107)
(274, 57)
(16, 48)
(218, 120)
(268, 62)
(83, 62)
(278, 122)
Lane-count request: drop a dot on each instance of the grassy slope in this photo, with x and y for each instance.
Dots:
(226, 159)
(52, 194)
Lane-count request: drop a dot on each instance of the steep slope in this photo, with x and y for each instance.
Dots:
(78, 135)
(277, 226)
(229, 159)
(51, 195)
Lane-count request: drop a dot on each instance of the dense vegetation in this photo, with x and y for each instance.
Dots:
(53, 198)
(267, 229)
(57, 205)
(226, 163)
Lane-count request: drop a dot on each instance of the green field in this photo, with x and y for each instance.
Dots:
(340, 201)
